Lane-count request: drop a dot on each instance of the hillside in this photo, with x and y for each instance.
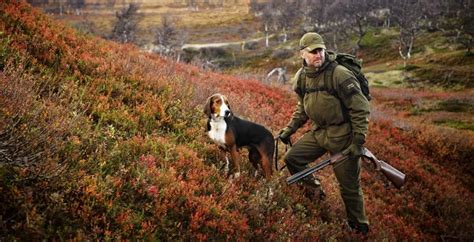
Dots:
(101, 141)
(438, 60)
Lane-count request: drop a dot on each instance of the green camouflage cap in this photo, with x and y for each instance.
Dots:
(311, 41)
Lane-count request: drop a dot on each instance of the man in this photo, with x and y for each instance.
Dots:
(339, 115)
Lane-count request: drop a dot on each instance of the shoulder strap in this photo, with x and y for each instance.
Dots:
(303, 81)
(329, 78)
(306, 90)
(328, 81)
(302, 84)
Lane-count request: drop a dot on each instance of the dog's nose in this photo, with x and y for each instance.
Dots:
(227, 113)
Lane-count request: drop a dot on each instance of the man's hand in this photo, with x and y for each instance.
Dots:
(285, 134)
(356, 147)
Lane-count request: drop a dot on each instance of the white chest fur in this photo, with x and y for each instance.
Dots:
(217, 132)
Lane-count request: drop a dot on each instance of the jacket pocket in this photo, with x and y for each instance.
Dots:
(338, 137)
(339, 131)
(324, 108)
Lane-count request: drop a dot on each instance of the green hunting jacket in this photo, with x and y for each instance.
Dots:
(341, 113)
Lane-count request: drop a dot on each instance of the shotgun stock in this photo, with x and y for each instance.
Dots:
(394, 175)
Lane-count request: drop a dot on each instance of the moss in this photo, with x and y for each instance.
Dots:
(411, 67)
(374, 39)
(377, 45)
(445, 76)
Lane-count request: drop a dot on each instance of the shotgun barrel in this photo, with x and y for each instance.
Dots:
(395, 176)
(306, 172)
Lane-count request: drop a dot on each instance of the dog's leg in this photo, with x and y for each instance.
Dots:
(226, 166)
(254, 158)
(266, 163)
(270, 192)
(235, 162)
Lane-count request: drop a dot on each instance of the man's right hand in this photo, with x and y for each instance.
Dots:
(356, 148)
(285, 135)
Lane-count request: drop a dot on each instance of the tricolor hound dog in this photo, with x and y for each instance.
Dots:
(231, 133)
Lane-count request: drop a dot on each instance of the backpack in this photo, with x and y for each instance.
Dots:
(350, 62)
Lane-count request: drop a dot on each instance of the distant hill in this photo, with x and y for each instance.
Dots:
(144, 3)
(438, 59)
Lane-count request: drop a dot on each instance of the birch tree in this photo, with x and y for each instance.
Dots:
(408, 15)
(126, 24)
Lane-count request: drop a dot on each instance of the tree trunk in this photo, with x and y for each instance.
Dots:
(266, 36)
(61, 7)
(406, 56)
(361, 34)
(334, 39)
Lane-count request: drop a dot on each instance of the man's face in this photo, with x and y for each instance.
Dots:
(314, 58)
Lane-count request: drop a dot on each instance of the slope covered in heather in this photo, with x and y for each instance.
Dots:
(101, 141)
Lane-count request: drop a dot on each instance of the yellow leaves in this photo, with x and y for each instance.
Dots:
(75, 141)
(180, 125)
(56, 197)
(91, 190)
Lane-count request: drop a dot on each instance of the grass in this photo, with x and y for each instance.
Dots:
(378, 38)
(455, 105)
(198, 25)
(456, 124)
(442, 63)
(392, 78)
(436, 61)
(378, 46)
(141, 162)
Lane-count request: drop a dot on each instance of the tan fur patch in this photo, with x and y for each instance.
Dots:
(216, 103)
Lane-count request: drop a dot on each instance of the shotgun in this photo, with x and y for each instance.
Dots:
(394, 175)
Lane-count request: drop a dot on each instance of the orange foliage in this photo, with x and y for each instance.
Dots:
(126, 132)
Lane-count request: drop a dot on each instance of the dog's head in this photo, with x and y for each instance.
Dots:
(217, 107)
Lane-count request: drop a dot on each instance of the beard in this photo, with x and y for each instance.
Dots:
(313, 60)
(317, 62)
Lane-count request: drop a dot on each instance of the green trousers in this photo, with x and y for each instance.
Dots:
(313, 145)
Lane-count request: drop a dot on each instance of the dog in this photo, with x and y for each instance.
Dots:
(231, 133)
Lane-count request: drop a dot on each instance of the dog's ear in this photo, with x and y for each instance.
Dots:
(207, 107)
(208, 125)
(227, 102)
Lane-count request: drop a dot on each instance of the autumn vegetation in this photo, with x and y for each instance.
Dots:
(100, 141)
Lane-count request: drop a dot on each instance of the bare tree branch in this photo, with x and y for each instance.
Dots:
(125, 27)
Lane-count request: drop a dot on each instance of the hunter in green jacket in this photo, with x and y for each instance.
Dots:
(339, 112)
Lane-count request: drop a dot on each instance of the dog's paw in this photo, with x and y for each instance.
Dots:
(237, 175)
(270, 192)
(226, 166)
(232, 176)
(255, 174)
